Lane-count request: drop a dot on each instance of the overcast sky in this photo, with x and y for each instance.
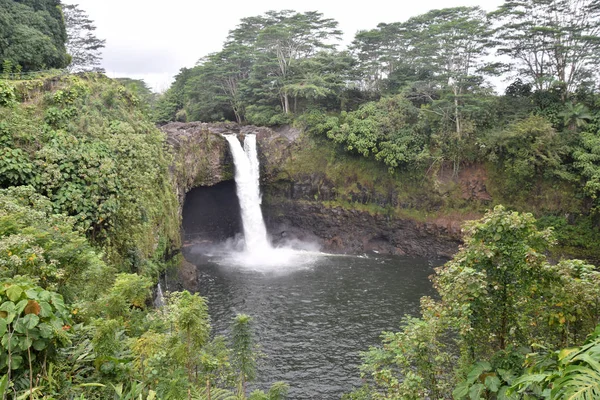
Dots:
(152, 40)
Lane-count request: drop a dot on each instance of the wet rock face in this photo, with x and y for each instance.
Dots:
(350, 231)
(202, 156)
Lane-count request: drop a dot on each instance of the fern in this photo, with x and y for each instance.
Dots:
(215, 394)
(567, 374)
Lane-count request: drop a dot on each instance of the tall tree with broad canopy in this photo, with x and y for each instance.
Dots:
(552, 42)
(452, 44)
(286, 38)
(83, 46)
(379, 52)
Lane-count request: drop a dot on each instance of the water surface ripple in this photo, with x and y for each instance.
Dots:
(312, 321)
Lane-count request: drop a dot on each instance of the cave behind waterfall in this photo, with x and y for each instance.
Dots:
(211, 213)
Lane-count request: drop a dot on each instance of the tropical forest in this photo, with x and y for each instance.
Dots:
(411, 212)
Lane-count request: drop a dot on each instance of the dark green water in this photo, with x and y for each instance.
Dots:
(312, 321)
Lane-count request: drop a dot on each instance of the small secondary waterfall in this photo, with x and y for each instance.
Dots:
(159, 300)
(248, 191)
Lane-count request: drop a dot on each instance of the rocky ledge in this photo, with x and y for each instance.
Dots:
(339, 230)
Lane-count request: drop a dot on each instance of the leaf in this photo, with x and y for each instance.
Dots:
(3, 385)
(476, 391)
(506, 375)
(25, 343)
(91, 384)
(45, 309)
(503, 395)
(477, 370)
(31, 321)
(492, 383)
(3, 326)
(46, 330)
(564, 353)
(28, 395)
(20, 306)
(32, 307)
(39, 345)
(14, 292)
(461, 391)
(16, 362)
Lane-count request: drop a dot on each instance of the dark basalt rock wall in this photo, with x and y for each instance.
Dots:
(293, 205)
(351, 231)
(211, 213)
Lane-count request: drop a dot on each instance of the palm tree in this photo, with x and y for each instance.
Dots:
(575, 116)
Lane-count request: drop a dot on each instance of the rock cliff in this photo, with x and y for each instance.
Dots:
(303, 199)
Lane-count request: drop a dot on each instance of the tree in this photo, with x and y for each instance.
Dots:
(244, 351)
(32, 37)
(379, 52)
(140, 89)
(83, 46)
(435, 56)
(497, 296)
(452, 43)
(526, 150)
(388, 130)
(286, 38)
(552, 42)
(575, 116)
(220, 77)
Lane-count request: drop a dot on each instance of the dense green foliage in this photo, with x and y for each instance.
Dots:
(497, 297)
(89, 216)
(36, 242)
(88, 219)
(32, 36)
(416, 97)
(88, 147)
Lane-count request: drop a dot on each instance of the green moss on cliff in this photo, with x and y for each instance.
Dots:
(356, 182)
(336, 178)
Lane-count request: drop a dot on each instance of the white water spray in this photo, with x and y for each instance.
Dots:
(248, 191)
(258, 253)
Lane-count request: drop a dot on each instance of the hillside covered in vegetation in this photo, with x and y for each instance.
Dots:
(89, 218)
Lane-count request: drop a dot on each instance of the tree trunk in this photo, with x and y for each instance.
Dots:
(456, 113)
(286, 103)
(238, 117)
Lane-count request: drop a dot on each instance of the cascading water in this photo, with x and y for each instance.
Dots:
(247, 176)
(258, 252)
(159, 300)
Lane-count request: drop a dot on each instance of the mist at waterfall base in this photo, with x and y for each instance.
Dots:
(253, 249)
(313, 313)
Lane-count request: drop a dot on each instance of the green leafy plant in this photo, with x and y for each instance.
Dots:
(485, 382)
(32, 321)
(7, 94)
(570, 373)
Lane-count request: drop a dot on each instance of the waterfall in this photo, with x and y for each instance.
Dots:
(159, 300)
(247, 185)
